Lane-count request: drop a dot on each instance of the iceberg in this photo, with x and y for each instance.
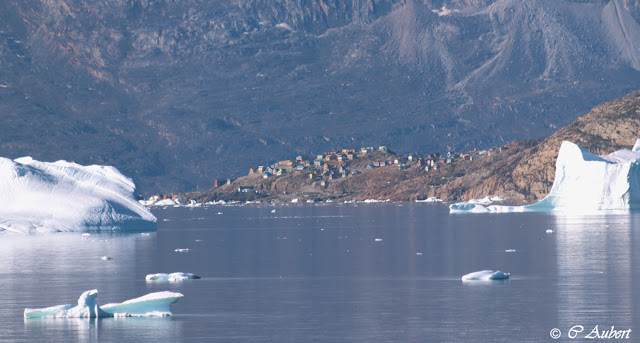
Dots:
(430, 199)
(584, 183)
(171, 277)
(65, 196)
(153, 304)
(486, 275)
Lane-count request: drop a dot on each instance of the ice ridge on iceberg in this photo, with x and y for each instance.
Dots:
(584, 182)
(65, 196)
(153, 304)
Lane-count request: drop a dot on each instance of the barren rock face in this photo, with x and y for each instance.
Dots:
(178, 93)
(612, 126)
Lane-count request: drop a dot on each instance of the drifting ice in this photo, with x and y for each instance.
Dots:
(584, 182)
(64, 196)
(486, 275)
(153, 304)
(171, 277)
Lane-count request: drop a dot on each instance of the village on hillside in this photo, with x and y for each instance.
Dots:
(346, 174)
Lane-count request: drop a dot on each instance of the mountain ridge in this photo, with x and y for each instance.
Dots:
(176, 94)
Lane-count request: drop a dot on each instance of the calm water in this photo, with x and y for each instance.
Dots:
(340, 273)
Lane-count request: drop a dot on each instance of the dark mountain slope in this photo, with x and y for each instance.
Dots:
(176, 93)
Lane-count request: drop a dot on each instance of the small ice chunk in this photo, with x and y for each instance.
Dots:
(173, 277)
(378, 240)
(510, 250)
(273, 211)
(549, 231)
(430, 199)
(419, 253)
(165, 202)
(182, 250)
(486, 275)
(106, 258)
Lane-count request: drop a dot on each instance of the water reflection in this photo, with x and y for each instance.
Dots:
(105, 329)
(54, 269)
(595, 270)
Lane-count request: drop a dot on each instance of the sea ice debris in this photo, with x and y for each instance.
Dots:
(171, 277)
(486, 275)
(430, 199)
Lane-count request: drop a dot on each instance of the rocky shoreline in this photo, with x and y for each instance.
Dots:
(521, 172)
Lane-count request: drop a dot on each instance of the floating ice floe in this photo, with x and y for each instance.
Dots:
(106, 258)
(193, 203)
(372, 201)
(153, 304)
(65, 196)
(182, 250)
(486, 275)
(430, 199)
(584, 183)
(510, 250)
(165, 202)
(219, 202)
(173, 277)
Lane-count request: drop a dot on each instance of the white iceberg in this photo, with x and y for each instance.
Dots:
(584, 183)
(65, 196)
(153, 304)
(165, 202)
(486, 275)
(173, 277)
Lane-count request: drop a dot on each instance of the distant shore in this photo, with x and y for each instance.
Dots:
(366, 175)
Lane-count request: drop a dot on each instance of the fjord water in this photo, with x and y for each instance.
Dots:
(334, 273)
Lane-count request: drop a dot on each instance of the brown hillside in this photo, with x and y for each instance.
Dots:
(529, 174)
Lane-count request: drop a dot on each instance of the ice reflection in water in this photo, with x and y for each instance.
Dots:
(595, 260)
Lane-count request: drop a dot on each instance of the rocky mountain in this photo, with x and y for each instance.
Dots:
(177, 93)
(529, 173)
